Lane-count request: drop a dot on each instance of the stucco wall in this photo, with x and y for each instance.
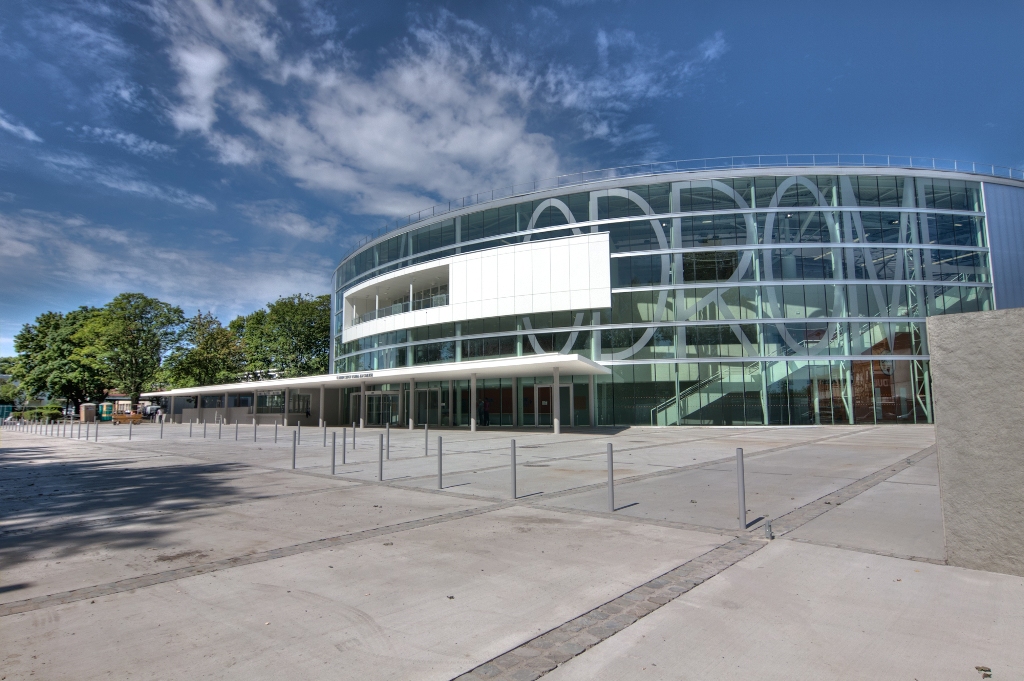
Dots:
(977, 363)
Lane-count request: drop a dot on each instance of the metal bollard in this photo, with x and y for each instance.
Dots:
(334, 451)
(440, 480)
(161, 427)
(190, 427)
(87, 426)
(325, 433)
(295, 440)
(343, 443)
(426, 439)
(513, 469)
(768, 529)
(96, 432)
(236, 431)
(275, 432)
(79, 430)
(611, 480)
(204, 430)
(298, 431)
(353, 436)
(387, 438)
(380, 457)
(741, 489)
(220, 428)
(254, 424)
(129, 430)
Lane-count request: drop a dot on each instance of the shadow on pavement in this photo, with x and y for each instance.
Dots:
(61, 507)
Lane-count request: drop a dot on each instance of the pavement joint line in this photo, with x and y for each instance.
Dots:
(855, 430)
(622, 517)
(914, 459)
(533, 500)
(543, 653)
(142, 581)
(624, 480)
(533, 659)
(812, 510)
(857, 549)
(808, 512)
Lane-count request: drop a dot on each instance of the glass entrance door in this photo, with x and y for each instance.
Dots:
(528, 415)
(565, 405)
(353, 407)
(428, 407)
(543, 405)
(382, 408)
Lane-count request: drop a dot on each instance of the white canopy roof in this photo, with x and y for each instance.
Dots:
(506, 367)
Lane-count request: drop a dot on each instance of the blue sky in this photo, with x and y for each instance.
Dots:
(219, 154)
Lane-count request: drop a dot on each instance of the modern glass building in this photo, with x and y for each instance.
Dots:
(768, 291)
(755, 290)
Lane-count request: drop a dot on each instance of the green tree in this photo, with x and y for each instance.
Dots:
(257, 358)
(129, 337)
(11, 392)
(50, 358)
(291, 337)
(208, 354)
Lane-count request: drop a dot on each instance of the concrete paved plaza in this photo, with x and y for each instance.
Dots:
(185, 557)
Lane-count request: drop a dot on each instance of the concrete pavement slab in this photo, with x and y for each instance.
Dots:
(900, 516)
(705, 497)
(797, 611)
(427, 603)
(64, 557)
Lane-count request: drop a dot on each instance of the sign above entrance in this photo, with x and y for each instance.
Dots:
(349, 377)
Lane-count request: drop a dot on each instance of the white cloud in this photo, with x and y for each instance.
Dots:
(80, 255)
(320, 21)
(128, 141)
(446, 112)
(83, 169)
(202, 68)
(283, 216)
(16, 129)
(82, 55)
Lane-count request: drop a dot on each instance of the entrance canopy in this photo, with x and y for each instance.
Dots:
(507, 367)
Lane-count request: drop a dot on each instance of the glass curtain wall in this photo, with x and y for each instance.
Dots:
(770, 299)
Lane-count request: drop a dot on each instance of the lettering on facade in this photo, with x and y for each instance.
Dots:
(349, 376)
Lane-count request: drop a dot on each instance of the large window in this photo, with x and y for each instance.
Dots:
(298, 403)
(271, 402)
(766, 299)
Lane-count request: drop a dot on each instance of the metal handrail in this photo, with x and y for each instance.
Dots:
(715, 163)
(696, 387)
(399, 308)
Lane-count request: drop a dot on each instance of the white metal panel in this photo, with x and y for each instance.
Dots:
(559, 265)
(579, 264)
(540, 259)
(571, 273)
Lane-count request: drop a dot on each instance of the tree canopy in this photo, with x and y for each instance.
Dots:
(207, 354)
(135, 343)
(291, 337)
(53, 358)
(128, 338)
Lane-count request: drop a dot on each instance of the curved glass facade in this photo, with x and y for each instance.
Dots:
(756, 299)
